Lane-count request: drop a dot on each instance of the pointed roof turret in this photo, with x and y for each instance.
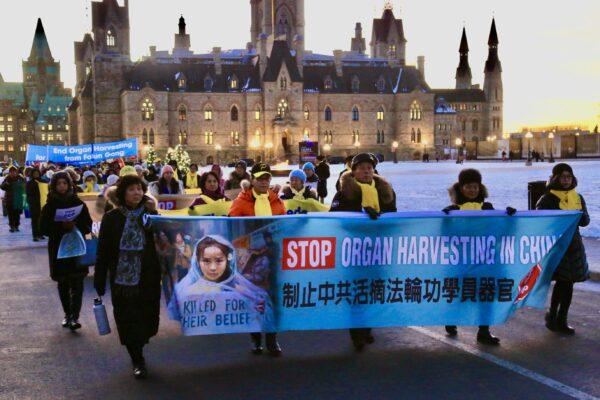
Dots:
(493, 62)
(493, 39)
(463, 72)
(181, 25)
(464, 46)
(40, 48)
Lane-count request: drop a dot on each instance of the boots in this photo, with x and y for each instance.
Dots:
(451, 330)
(484, 336)
(550, 318)
(561, 324)
(272, 345)
(257, 347)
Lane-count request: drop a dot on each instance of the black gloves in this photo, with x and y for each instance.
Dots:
(450, 208)
(373, 214)
(511, 211)
(100, 291)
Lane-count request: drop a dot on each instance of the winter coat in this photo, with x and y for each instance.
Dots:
(112, 201)
(349, 197)
(234, 181)
(66, 267)
(308, 193)
(14, 189)
(32, 189)
(338, 182)
(199, 201)
(457, 198)
(137, 315)
(160, 187)
(323, 172)
(574, 266)
(243, 205)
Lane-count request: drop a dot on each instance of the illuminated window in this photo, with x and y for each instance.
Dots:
(147, 110)
(413, 136)
(328, 137)
(392, 50)
(208, 138)
(67, 127)
(23, 147)
(11, 147)
(257, 138)
(328, 113)
(208, 114)
(1, 118)
(306, 134)
(306, 113)
(110, 38)
(43, 137)
(380, 114)
(2, 128)
(2, 147)
(328, 83)
(355, 114)
(282, 109)
(9, 127)
(58, 136)
(183, 137)
(419, 135)
(182, 112)
(355, 137)
(235, 138)
(257, 113)
(50, 137)
(9, 118)
(181, 83)
(415, 112)
(233, 82)
(234, 113)
(10, 139)
(2, 139)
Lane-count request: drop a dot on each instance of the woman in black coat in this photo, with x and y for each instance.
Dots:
(127, 257)
(32, 190)
(561, 195)
(67, 271)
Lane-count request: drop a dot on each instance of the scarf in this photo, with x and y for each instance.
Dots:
(89, 187)
(471, 206)
(370, 198)
(569, 199)
(262, 205)
(192, 180)
(133, 240)
(298, 195)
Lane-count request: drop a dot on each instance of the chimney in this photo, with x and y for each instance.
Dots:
(216, 52)
(337, 54)
(421, 65)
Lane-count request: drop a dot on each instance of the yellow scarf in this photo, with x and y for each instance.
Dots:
(298, 195)
(89, 187)
(207, 199)
(569, 199)
(262, 205)
(192, 180)
(471, 206)
(370, 198)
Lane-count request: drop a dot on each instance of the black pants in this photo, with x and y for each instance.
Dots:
(359, 335)
(257, 337)
(70, 291)
(561, 299)
(136, 352)
(14, 218)
(35, 225)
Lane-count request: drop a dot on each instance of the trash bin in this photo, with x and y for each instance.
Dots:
(535, 190)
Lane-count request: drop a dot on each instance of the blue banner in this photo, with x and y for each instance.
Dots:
(83, 154)
(343, 270)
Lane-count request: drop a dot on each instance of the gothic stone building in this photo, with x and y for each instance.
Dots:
(266, 98)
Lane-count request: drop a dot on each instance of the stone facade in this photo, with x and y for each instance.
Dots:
(265, 99)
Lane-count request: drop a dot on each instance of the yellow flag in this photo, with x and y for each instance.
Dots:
(174, 213)
(43, 193)
(196, 191)
(219, 208)
(296, 206)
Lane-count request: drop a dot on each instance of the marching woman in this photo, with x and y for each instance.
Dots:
(361, 190)
(127, 255)
(469, 193)
(211, 190)
(561, 195)
(14, 188)
(257, 199)
(32, 189)
(66, 271)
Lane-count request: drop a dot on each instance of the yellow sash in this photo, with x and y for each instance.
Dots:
(569, 199)
(192, 180)
(43, 193)
(219, 208)
(262, 206)
(89, 187)
(370, 198)
(471, 206)
(301, 206)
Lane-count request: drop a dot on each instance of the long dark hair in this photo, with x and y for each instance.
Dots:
(52, 193)
(210, 242)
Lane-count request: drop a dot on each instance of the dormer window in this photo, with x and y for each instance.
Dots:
(147, 110)
(355, 84)
(282, 109)
(392, 50)
(110, 38)
(208, 84)
(233, 83)
(328, 83)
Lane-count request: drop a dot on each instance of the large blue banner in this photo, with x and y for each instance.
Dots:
(83, 154)
(343, 270)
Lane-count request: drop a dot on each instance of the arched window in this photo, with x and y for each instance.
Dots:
(182, 112)
(183, 137)
(282, 109)
(234, 113)
(283, 83)
(306, 112)
(380, 114)
(419, 135)
(233, 82)
(381, 84)
(208, 113)
(111, 40)
(329, 137)
(151, 137)
(145, 137)
(208, 84)
(306, 134)
(355, 114)
(328, 83)
(355, 84)
(413, 136)
(415, 111)
(257, 113)
(208, 138)
(147, 110)
(181, 80)
(235, 138)
(328, 113)
(380, 137)
(392, 50)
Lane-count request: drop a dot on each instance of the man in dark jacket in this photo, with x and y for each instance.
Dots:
(32, 190)
(14, 186)
(238, 175)
(360, 189)
(322, 171)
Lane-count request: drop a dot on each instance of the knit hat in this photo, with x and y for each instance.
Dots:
(309, 165)
(469, 175)
(127, 170)
(364, 157)
(165, 169)
(298, 173)
(560, 168)
(138, 168)
(241, 163)
(88, 174)
(111, 180)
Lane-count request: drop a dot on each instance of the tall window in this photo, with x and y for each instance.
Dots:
(380, 114)
(282, 109)
(413, 136)
(355, 84)
(235, 138)
(464, 125)
(392, 50)
(208, 84)
(208, 138)
(328, 83)
(306, 113)
(306, 134)
(183, 137)
(475, 125)
(145, 137)
(283, 83)
(418, 135)
(151, 137)
(328, 113)
(257, 138)
(147, 110)
(182, 113)
(415, 111)
(381, 84)
(208, 114)
(355, 114)
(355, 137)
(233, 82)
(328, 137)
(110, 38)
(234, 113)
(181, 83)
(380, 137)
(257, 113)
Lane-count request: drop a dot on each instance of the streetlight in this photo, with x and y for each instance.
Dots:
(458, 142)
(326, 148)
(395, 145)
(268, 147)
(357, 145)
(528, 136)
(425, 155)
(218, 149)
(551, 137)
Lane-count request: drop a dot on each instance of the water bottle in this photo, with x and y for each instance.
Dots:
(101, 317)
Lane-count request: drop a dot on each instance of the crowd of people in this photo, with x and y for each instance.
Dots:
(127, 258)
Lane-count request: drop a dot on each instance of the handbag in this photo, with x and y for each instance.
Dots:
(89, 258)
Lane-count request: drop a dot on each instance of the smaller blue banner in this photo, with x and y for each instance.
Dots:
(83, 154)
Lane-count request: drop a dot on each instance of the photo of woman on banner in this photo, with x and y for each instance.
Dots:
(215, 298)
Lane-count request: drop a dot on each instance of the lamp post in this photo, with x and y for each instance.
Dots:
(528, 136)
(551, 137)
(458, 142)
(506, 137)
(326, 149)
(218, 148)
(268, 148)
(425, 155)
(357, 146)
(395, 145)
(254, 146)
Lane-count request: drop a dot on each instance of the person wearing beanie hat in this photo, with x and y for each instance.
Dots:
(167, 184)
(312, 180)
(296, 188)
(236, 176)
(469, 193)
(127, 170)
(90, 183)
(362, 190)
(561, 195)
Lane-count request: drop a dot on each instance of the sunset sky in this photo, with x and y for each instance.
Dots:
(550, 50)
